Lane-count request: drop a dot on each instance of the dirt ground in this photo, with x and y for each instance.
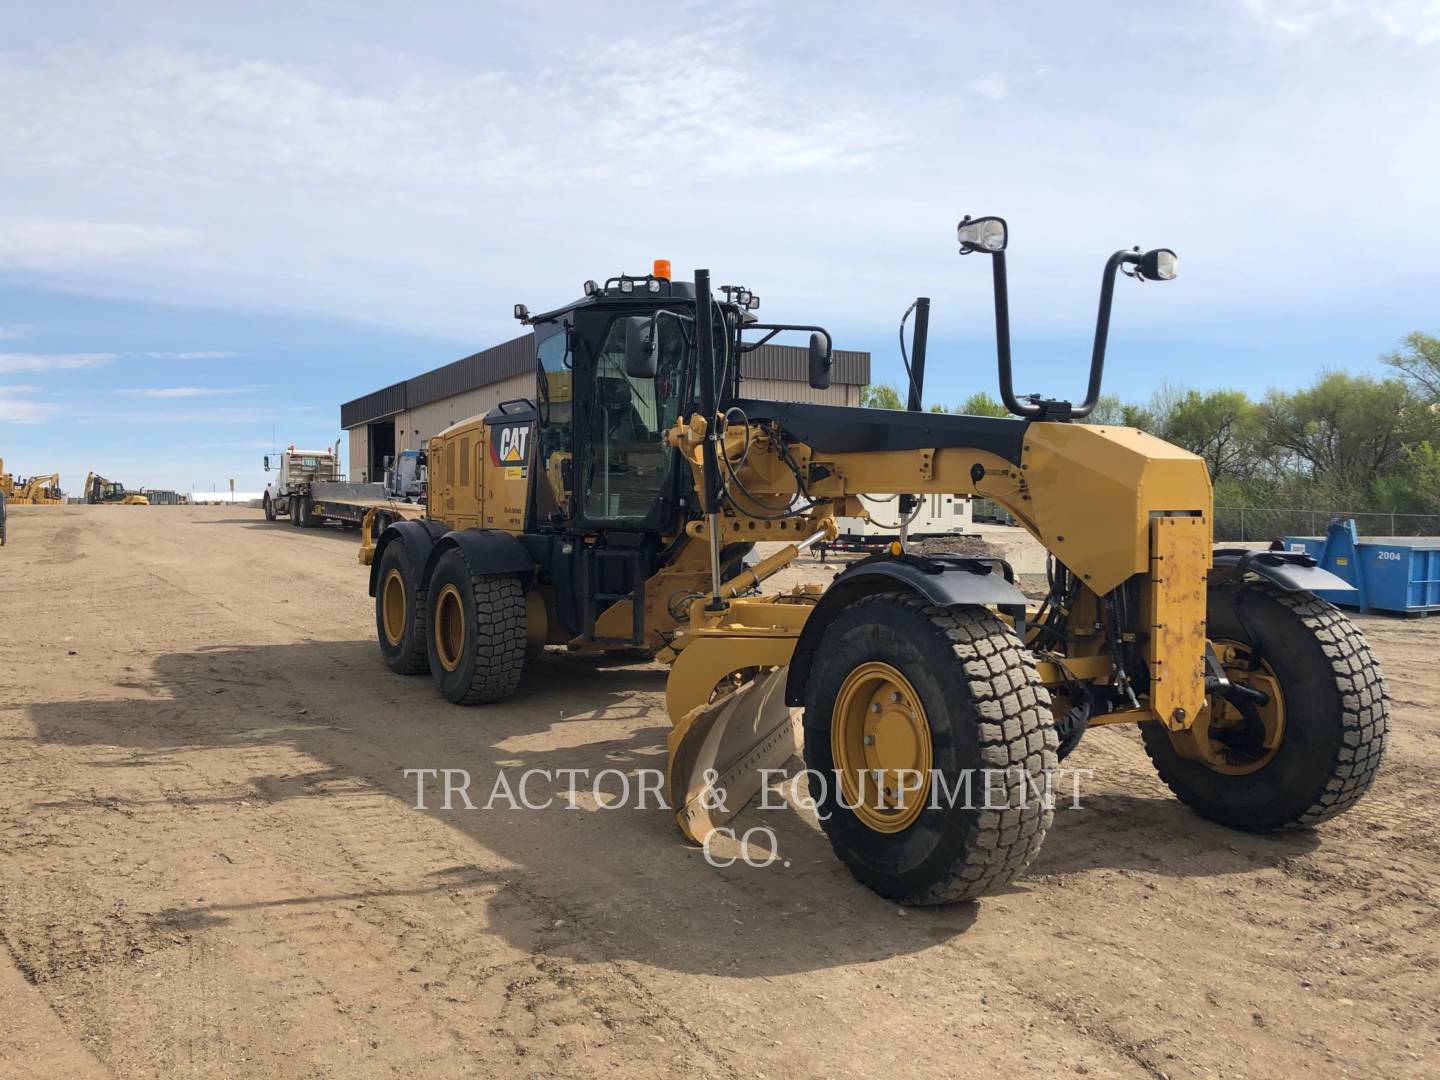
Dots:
(211, 865)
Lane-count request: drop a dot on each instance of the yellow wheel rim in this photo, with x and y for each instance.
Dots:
(880, 741)
(449, 628)
(1241, 746)
(392, 607)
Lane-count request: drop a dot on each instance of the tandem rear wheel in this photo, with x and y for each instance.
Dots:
(475, 638)
(911, 711)
(400, 613)
(1309, 752)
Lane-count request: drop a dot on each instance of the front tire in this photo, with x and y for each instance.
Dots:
(400, 613)
(1335, 715)
(900, 687)
(476, 632)
(269, 508)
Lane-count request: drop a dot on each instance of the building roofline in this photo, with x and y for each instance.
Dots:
(517, 357)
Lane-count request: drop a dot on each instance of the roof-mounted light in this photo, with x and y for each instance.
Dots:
(591, 288)
(522, 313)
(662, 270)
(627, 285)
(984, 234)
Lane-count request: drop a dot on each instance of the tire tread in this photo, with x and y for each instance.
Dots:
(1364, 716)
(1015, 730)
(499, 638)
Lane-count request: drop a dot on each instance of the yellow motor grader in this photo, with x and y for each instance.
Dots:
(619, 510)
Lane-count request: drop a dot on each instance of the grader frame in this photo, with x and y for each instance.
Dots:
(616, 512)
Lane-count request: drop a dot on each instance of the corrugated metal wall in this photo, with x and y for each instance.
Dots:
(792, 390)
(414, 426)
(792, 363)
(373, 406)
(359, 454)
(482, 370)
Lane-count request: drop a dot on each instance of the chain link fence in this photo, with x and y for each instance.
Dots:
(1241, 523)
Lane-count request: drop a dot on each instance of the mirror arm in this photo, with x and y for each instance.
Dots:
(1102, 331)
(917, 353)
(1002, 342)
(705, 357)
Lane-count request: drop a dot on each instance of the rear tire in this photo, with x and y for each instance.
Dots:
(475, 637)
(294, 511)
(400, 613)
(976, 689)
(1336, 716)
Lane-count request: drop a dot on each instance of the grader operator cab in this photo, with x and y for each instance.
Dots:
(615, 511)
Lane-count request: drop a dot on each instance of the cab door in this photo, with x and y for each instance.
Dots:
(628, 475)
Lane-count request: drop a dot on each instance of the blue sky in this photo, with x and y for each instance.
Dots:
(215, 220)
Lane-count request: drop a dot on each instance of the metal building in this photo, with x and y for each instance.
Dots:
(404, 415)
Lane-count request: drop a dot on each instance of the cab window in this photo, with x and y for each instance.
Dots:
(630, 461)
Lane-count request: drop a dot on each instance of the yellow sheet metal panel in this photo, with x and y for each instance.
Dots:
(1090, 491)
(1175, 648)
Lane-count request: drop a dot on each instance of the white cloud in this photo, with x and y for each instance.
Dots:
(19, 411)
(204, 355)
(183, 391)
(1412, 20)
(16, 407)
(993, 86)
(218, 414)
(42, 362)
(427, 177)
(52, 244)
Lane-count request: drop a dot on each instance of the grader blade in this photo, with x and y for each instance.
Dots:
(731, 741)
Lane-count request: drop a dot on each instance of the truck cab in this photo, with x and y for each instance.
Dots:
(295, 472)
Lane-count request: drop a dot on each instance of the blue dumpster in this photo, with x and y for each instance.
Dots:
(1390, 573)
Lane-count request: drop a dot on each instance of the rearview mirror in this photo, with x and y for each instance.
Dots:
(819, 362)
(641, 348)
(267, 462)
(984, 234)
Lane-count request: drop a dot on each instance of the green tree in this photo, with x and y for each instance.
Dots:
(1224, 427)
(1415, 486)
(880, 396)
(1110, 411)
(981, 403)
(1418, 361)
(1347, 430)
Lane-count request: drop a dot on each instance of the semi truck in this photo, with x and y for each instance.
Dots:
(310, 489)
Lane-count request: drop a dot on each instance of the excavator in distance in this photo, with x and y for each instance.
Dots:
(32, 491)
(98, 491)
(617, 509)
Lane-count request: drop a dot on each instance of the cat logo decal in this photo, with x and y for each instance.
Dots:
(511, 448)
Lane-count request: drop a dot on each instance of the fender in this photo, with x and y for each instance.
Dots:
(1293, 571)
(419, 539)
(486, 551)
(941, 579)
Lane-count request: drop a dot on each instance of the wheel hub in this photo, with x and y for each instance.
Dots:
(1244, 738)
(449, 628)
(880, 742)
(393, 607)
